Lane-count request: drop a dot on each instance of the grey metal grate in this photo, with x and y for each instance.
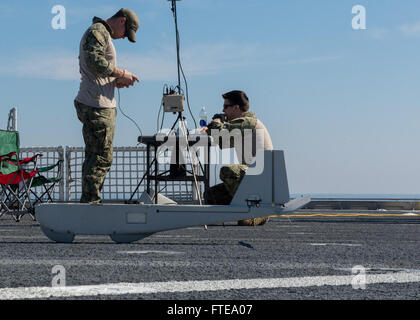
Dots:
(127, 170)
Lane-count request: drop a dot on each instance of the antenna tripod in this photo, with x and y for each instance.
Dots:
(177, 168)
(174, 106)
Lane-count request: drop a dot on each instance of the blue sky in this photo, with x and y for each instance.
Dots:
(344, 104)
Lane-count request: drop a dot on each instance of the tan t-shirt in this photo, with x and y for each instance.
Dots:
(268, 144)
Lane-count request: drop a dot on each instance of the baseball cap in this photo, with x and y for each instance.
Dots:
(132, 23)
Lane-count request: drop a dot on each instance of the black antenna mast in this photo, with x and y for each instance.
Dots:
(177, 43)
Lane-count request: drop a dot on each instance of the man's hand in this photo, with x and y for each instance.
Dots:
(219, 116)
(125, 78)
(120, 84)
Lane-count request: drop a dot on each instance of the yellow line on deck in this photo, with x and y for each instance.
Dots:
(342, 215)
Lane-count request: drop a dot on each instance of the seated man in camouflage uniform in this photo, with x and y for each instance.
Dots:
(95, 103)
(236, 117)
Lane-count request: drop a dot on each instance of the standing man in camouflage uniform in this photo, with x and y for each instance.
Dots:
(236, 116)
(95, 103)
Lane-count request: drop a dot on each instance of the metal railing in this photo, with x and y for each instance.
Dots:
(50, 156)
(127, 170)
(129, 167)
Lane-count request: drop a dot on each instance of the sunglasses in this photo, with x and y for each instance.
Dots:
(225, 106)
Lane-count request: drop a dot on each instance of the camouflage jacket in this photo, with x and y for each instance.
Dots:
(97, 40)
(248, 121)
(251, 140)
(97, 61)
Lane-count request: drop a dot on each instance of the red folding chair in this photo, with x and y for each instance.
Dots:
(20, 180)
(16, 185)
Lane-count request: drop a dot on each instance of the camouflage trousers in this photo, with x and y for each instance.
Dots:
(231, 175)
(223, 193)
(98, 134)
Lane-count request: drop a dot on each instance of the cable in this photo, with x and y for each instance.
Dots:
(192, 164)
(173, 8)
(180, 91)
(179, 63)
(165, 86)
(186, 92)
(163, 117)
(119, 107)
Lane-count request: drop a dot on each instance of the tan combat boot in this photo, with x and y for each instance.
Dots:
(253, 222)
